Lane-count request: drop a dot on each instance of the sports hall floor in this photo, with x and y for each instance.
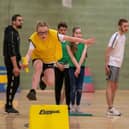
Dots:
(91, 103)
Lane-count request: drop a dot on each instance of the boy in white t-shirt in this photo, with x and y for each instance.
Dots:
(113, 61)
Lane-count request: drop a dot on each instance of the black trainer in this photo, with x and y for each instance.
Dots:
(42, 85)
(31, 95)
(11, 110)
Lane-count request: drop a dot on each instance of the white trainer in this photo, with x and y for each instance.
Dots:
(113, 112)
(78, 109)
(72, 108)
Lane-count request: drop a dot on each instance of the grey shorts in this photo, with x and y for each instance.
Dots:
(114, 74)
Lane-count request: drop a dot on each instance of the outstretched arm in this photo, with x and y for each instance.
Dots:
(80, 40)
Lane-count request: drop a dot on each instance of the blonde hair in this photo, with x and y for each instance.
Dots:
(73, 46)
(41, 24)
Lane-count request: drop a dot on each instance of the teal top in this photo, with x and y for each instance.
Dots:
(65, 58)
(78, 54)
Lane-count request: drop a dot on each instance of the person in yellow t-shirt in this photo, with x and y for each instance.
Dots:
(45, 50)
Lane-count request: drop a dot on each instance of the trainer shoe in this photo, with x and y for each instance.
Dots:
(77, 109)
(42, 85)
(113, 112)
(10, 109)
(72, 108)
(31, 95)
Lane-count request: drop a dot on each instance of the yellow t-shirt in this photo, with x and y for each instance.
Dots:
(48, 50)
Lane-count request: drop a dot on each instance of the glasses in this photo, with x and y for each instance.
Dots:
(43, 33)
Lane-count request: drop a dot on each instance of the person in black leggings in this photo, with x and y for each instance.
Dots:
(12, 57)
(61, 71)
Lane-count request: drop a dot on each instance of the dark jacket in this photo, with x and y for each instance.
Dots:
(11, 46)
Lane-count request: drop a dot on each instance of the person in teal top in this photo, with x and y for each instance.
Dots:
(77, 53)
(61, 71)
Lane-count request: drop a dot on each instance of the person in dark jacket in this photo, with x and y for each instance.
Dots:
(12, 58)
(61, 71)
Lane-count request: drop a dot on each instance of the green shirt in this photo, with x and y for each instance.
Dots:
(65, 58)
(78, 54)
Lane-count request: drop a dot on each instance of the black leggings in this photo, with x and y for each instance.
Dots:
(59, 77)
(12, 84)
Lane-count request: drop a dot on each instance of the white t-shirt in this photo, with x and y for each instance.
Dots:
(117, 42)
(60, 36)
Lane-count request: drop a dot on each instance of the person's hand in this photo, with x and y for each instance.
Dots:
(25, 64)
(16, 71)
(107, 70)
(77, 71)
(60, 66)
(90, 41)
